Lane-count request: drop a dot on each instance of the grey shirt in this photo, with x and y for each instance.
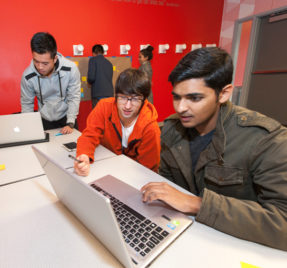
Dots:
(58, 95)
(146, 67)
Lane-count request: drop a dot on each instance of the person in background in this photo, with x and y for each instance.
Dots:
(100, 75)
(126, 124)
(232, 159)
(55, 81)
(145, 56)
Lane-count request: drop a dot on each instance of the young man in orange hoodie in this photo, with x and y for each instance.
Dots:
(126, 124)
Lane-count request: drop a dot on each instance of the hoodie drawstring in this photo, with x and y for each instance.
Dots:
(41, 97)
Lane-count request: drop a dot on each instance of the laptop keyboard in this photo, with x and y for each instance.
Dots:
(139, 233)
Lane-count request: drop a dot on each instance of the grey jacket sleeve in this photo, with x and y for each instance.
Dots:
(264, 221)
(27, 96)
(73, 95)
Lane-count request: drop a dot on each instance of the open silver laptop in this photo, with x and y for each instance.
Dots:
(134, 232)
(22, 128)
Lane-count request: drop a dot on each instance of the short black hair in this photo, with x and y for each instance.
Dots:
(147, 52)
(43, 42)
(133, 82)
(213, 64)
(98, 49)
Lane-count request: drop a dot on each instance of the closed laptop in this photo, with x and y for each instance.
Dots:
(22, 128)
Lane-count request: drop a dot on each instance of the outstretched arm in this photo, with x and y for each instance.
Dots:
(178, 200)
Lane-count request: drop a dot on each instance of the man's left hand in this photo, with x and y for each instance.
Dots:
(163, 191)
(66, 130)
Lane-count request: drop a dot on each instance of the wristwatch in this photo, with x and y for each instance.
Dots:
(71, 125)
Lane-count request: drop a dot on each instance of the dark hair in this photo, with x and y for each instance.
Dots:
(212, 64)
(147, 52)
(43, 42)
(133, 82)
(98, 49)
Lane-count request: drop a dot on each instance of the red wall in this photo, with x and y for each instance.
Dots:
(113, 22)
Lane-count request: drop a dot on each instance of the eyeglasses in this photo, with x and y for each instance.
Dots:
(134, 100)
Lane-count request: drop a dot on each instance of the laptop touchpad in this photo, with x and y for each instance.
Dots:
(147, 209)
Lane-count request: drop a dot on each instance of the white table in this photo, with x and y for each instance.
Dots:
(21, 163)
(36, 230)
(60, 154)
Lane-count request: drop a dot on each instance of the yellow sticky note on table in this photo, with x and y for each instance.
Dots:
(76, 62)
(114, 68)
(2, 167)
(84, 78)
(247, 265)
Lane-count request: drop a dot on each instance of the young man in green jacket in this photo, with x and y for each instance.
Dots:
(232, 159)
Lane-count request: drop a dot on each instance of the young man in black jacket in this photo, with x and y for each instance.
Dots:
(100, 75)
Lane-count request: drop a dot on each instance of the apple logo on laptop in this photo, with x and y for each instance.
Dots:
(16, 129)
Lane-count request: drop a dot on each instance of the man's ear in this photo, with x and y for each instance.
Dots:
(226, 93)
(55, 59)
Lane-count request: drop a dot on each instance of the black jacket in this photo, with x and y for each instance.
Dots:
(100, 75)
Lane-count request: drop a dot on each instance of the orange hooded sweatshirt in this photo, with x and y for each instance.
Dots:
(104, 127)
